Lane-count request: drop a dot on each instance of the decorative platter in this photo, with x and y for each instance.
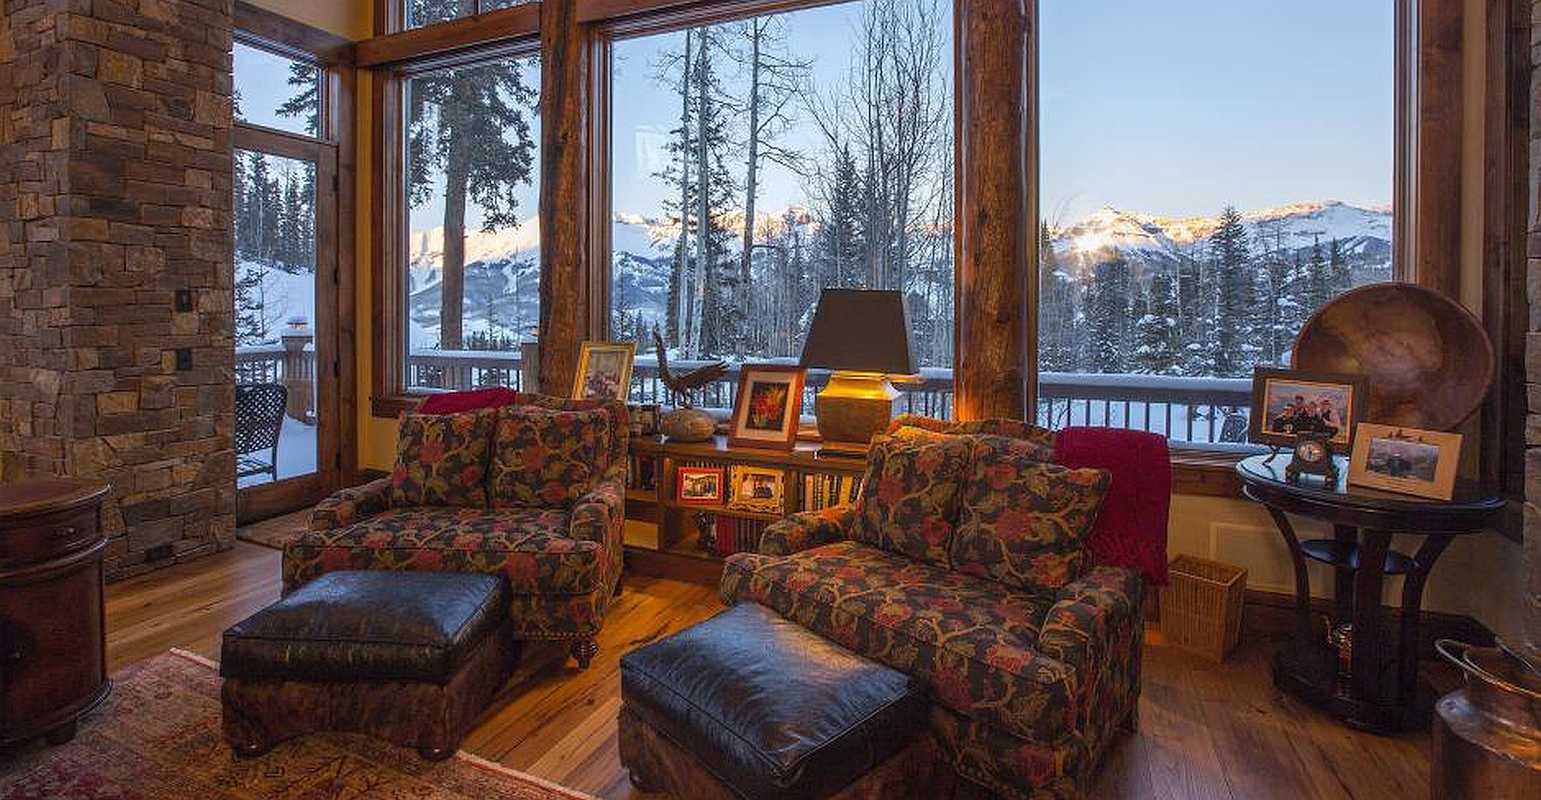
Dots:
(1426, 360)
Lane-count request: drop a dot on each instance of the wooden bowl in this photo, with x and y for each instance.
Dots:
(1426, 360)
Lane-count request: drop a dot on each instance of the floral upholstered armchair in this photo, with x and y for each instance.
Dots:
(966, 562)
(533, 489)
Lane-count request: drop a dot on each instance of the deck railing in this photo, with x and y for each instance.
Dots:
(291, 362)
(1198, 411)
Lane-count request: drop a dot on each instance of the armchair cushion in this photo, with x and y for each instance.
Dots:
(1034, 439)
(347, 506)
(806, 529)
(973, 641)
(1024, 523)
(530, 546)
(547, 458)
(441, 459)
(909, 496)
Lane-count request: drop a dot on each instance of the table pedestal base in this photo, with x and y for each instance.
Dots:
(1309, 671)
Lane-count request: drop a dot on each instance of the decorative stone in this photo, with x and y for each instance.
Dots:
(687, 425)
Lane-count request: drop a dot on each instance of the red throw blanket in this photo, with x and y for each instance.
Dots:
(471, 400)
(1131, 529)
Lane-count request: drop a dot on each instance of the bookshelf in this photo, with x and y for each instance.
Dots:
(688, 541)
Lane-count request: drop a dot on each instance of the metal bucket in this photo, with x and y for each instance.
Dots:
(1487, 735)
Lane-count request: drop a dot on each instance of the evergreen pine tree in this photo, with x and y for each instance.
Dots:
(1339, 279)
(250, 305)
(1155, 333)
(1235, 349)
(1056, 309)
(305, 103)
(1107, 316)
(1318, 283)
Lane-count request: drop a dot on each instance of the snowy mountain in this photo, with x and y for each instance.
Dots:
(502, 268)
(1147, 239)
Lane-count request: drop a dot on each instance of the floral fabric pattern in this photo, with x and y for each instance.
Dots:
(348, 506)
(972, 640)
(546, 458)
(909, 496)
(1024, 523)
(441, 460)
(797, 532)
(1036, 439)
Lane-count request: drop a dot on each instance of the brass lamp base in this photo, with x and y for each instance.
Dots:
(852, 408)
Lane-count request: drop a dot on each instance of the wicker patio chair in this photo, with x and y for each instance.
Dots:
(259, 415)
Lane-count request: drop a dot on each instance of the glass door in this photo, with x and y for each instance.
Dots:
(284, 276)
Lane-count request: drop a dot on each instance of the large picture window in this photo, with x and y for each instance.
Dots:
(1211, 174)
(755, 161)
(471, 180)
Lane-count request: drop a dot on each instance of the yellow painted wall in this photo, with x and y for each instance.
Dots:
(1479, 575)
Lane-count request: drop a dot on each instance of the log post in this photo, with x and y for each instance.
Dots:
(994, 238)
(564, 311)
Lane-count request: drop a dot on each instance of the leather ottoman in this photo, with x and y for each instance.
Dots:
(750, 705)
(410, 657)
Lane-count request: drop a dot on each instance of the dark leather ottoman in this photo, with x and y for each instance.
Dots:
(750, 705)
(410, 657)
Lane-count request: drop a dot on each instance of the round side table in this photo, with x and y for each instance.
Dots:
(1380, 691)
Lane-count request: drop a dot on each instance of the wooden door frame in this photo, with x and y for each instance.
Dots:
(288, 494)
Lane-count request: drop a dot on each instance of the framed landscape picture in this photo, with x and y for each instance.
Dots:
(604, 370)
(699, 486)
(1405, 460)
(769, 405)
(1287, 403)
(759, 489)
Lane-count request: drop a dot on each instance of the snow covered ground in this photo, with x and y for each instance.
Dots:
(296, 453)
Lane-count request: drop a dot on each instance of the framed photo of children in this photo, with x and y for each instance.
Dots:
(604, 370)
(758, 489)
(1405, 460)
(1287, 403)
(769, 405)
(699, 486)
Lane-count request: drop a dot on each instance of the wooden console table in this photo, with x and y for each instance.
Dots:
(53, 664)
(1381, 691)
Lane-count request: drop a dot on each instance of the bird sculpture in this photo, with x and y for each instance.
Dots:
(680, 386)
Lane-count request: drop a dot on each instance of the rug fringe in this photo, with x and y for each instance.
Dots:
(195, 658)
(493, 766)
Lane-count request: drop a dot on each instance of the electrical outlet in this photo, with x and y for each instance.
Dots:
(184, 359)
(184, 300)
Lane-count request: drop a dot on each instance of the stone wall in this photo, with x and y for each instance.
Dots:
(115, 190)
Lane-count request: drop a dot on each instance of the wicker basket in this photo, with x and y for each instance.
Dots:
(1201, 609)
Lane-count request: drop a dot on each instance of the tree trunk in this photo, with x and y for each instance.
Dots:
(457, 167)
(677, 292)
(751, 168)
(703, 201)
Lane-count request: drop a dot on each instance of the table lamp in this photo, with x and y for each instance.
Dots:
(862, 336)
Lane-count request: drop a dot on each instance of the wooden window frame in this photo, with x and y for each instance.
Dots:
(1427, 152)
(334, 150)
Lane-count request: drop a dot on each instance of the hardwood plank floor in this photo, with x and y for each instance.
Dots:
(1207, 731)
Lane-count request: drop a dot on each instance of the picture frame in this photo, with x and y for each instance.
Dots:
(699, 486)
(758, 489)
(1288, 402)
(644, 418)
(604, 370)
(1405, 460)
(768, 408)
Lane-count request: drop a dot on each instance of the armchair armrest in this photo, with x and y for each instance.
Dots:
(347, 506)
(806, 529)
(1096, 627)
(599, 515)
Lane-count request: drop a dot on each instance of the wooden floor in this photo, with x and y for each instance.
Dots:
(1206, 731)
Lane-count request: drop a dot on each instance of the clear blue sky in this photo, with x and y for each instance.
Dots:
(1174, 107)
(1179, 106)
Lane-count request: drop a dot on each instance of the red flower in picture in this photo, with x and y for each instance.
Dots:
(767, 406)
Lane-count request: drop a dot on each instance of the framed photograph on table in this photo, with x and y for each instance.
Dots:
(604, 370)
(1287, 403)
(769, 406)
(699, 486)
(760, 489)
(1405, 460)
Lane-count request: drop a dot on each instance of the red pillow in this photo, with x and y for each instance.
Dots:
(470, 400)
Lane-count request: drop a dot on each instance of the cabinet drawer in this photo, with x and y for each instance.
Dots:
(43, 538)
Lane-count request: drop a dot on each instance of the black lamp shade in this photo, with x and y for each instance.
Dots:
(862, 330)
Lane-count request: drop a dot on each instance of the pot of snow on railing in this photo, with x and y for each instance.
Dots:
(685, 423)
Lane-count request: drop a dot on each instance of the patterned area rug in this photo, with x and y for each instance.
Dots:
(157, 737)
(275, 532)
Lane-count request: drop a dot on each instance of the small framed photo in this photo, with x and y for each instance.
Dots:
(769, 406)
(604, 370)
(1405, 460)
(1287, 403)
(757, 489)
(699, 486)
(644, 418)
